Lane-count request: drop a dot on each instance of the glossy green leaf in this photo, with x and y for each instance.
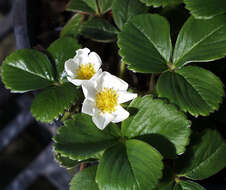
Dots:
(201, 41)
(53, 101)
(124, 10)
(26, 70)
(158, 3)
(188, 185)
(193, 89)
(145, 43)
(205, 157)
(105, 5)
(81, 139)
(72, 28)
(205, 10)
(133, 165)
(99, 29)
(88, 6)
(85, 180)
(159, 124)
(65, 162)
(62, 50)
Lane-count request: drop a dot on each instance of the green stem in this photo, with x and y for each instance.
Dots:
(177, 179)
(171, 66)
(66, 116)
(82, 166)
(152, 83)
(98, 8)
(122, 69)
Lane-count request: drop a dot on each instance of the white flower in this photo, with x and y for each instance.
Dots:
(83, 67)
(103, 97)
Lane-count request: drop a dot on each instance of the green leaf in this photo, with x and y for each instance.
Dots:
(124, 10)
(158, 3)
(88, 6)
(159, 123)
(53, 101)
(205, 157)
(105, 5)
(167, 182)
(72, 28)
(85, 180)
(26, 70)
(188, 185)
(145, 43)
(133, 165)
(201, 41)
(81, 139)
(193, 89)
(205, 10)
(65, 162)
(99, 30)
(62, 50)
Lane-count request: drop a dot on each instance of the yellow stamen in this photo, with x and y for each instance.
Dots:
(86, 72)
(107, 100)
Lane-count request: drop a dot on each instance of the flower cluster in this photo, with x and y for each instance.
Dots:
(103, 92)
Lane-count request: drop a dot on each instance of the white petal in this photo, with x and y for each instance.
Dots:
(125, 96)
(96, 75)
(89, 90)
(102, 120)
(82, 51)
(88, 107)
(95, 59)
(71, 67)
(121, 114)
(76, 82)
(106, 80)
(82, 57)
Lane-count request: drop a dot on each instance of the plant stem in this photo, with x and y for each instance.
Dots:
(65, 116)
(171, 66)
(152, 83)
(177, 179)
(122, 69)
(82, 166)
(98, 8)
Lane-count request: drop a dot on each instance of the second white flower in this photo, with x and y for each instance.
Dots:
(103, 97)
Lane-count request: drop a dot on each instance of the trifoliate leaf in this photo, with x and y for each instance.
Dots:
(193, 89)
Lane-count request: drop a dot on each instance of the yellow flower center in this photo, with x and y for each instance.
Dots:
(107, 100)
(86, 72)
